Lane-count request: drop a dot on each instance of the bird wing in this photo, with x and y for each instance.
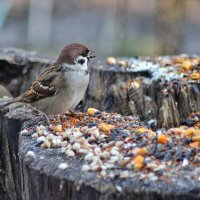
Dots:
(43, 86)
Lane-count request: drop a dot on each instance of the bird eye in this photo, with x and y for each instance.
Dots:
(81, 61)
(85, 53)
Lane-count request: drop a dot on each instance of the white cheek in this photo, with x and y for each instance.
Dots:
(84, 65)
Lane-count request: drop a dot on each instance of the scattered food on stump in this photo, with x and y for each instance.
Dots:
(181, 67)
(117, 147)
(161, 90)
(100, 155)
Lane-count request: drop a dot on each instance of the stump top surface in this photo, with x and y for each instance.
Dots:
(21, 57)
(178, 176)
(168, 169)
(180, 67)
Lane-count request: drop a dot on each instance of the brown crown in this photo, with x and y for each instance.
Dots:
(71, 52)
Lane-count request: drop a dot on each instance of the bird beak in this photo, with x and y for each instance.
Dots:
(91, 54)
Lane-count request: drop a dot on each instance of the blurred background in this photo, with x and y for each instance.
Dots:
(109, 27)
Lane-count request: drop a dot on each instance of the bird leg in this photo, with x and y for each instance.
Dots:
(42, 114)
(71, 113)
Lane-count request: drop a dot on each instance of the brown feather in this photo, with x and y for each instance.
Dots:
(71, 52)
(43, 86)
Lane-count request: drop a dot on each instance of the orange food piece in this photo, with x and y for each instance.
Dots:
(195, 76)
(163, 139)
(135, 84)
(105, 127)
(142, 151)
(189, 132)
(138, 162)
(111, 61)
(187, 65)
(91, 111)
(151, 133)
(179, 60)
(74, 121)
(195, 144)
(66, 124)
(196, 138)
(56, 128)
(141, 130)
(197, 132)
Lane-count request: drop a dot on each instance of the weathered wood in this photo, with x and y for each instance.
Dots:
(10, 125)
(18, 69)
(40, 178)
(111, 88)
(155, 100)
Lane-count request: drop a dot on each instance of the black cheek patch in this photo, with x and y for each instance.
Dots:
(81, 61)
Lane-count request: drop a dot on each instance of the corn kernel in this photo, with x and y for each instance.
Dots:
(163, 139)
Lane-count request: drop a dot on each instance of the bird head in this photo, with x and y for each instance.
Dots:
(75, 54)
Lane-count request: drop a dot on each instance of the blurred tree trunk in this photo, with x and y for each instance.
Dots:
(170, 20)
(5, 6)
(39, 23)
(121, 17)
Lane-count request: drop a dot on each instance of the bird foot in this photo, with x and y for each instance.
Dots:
(73, 114)
(42, 114)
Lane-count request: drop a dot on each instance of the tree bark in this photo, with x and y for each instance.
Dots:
(10, 125)
(112, 89)
(19, 68)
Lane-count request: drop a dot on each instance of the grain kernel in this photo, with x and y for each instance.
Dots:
(196, 138)
(195, 144)
(163, 139)
(189, 132)
(142, 151)
(138, 162)
(111, 61)
(187, 65)
(105, 127)
(195, 76)
(57, 128)
(46, 144)
(91, 111)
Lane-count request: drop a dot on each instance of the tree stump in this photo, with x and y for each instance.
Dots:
(31, 172)
(161, 91)
(28, 171)
(19, 68)
(10, 125)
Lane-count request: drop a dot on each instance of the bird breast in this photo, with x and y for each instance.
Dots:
(67, 97)
(76, 85)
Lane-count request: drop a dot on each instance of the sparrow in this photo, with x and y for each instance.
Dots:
(62, 85)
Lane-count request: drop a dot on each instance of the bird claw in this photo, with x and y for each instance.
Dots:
(42, 114)
(73, 114)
